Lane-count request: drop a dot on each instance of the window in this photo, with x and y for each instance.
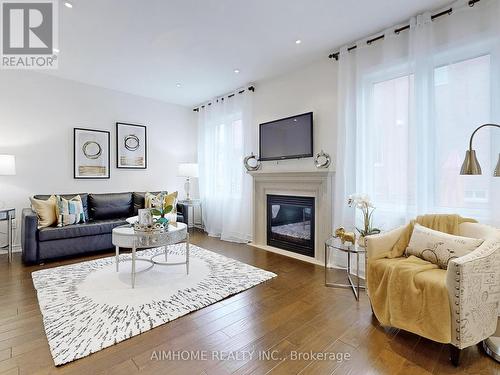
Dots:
(228, 137)
(462, 103)
(394, 137)
(390, 131)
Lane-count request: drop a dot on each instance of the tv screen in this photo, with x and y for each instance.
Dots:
(288, 138)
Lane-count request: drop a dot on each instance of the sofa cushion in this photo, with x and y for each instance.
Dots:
(83, 196)
(91, 228)
(110, 206)
(439, 247)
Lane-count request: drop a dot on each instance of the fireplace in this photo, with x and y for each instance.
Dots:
(290, 223)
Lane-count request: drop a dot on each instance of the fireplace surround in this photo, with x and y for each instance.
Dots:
(315, 184)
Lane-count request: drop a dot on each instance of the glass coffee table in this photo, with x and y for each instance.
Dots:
(334, 243)
(125, 236)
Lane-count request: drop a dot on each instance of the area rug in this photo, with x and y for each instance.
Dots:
(88, 306)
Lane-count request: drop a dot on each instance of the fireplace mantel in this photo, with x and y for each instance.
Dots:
(316, 183)
(317, 173)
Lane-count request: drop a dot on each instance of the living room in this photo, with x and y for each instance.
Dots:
(250, 187)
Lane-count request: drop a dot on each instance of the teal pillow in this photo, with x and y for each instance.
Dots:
(69, 211)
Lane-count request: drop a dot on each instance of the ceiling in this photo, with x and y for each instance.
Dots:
(148, 47)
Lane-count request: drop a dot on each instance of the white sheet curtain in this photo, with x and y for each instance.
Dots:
(225, 137)
(407, 106)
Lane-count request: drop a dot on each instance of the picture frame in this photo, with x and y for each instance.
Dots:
(131, 146)
(145, 217)
(91, 154)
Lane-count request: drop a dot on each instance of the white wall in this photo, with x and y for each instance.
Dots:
(311, 88)
(38, 113)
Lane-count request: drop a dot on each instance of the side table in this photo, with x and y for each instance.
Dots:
(8, 214)
(194, 203)
(335, 244)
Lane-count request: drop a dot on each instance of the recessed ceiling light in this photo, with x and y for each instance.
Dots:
(55, 50)
(298, 41)
(67, 4)
(236, 71)
(178, 85)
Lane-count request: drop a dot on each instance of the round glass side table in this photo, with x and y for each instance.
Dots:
(334, 243)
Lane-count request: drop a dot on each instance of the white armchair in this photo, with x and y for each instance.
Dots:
(472, 282)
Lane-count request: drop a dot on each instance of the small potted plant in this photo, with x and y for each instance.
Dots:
(363, 203)
(160, 208)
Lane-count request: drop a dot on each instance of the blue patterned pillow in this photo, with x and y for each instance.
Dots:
(69, 211)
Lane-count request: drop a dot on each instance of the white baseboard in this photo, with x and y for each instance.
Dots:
(15, 249)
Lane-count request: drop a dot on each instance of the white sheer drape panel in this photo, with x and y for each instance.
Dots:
(225, 137)
(345, 178)
(414, 99)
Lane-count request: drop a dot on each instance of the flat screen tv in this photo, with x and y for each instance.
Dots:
(288, 138)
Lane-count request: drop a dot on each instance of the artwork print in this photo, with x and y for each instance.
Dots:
(91, 154)
(131, 146)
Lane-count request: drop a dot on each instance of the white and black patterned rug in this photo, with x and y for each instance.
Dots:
(88, 306)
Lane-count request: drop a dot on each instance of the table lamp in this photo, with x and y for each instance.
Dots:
(188, 170)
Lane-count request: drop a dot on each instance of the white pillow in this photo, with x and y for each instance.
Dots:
(439, 247)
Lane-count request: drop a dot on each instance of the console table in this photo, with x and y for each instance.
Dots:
(8, 214)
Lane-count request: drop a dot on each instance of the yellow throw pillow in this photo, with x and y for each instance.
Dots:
(171, 199)
(46, 210)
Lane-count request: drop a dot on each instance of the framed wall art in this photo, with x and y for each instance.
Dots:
(91, 154)
(131, 146)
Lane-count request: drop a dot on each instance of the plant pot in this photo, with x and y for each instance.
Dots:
(362, 241)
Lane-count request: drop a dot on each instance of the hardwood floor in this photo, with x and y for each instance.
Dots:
(291, 314)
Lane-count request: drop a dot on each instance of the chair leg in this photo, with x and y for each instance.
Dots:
(455, 355)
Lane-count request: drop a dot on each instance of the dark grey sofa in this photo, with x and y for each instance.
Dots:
(103, 212)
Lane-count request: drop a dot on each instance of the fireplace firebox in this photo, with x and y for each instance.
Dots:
(290, 223)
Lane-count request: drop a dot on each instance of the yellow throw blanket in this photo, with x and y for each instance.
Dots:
(410, 293)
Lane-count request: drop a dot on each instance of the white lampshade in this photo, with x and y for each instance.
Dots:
(188, 170)
(7, 165)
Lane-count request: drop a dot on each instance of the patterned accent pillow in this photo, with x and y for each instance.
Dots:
(439, 247)
(69, 211)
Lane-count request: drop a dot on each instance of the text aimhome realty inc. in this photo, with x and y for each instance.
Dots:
(246, 355)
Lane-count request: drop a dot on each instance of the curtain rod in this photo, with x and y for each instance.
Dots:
(250, 88)
(402, 28)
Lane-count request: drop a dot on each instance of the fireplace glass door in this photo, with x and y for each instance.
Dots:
(290, 223)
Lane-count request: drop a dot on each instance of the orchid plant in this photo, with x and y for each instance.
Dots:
(160, 208)
(363, 203)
